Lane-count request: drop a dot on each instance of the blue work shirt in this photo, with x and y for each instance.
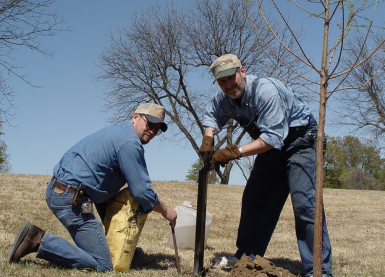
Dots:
(276, 106)
(105, 161)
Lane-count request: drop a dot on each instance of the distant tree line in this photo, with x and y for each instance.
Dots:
(351, 163)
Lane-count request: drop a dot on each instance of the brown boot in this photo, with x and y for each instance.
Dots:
(27, 241)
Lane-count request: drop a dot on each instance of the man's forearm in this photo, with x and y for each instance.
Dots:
(167, 212)
(209, 131)
(258, 146)
(161, 208)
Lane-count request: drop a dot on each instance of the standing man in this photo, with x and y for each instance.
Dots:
(94, 170)
(283, 131)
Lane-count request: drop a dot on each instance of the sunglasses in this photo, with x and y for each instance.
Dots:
(150, 126)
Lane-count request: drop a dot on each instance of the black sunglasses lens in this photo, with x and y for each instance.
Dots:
(152, 126)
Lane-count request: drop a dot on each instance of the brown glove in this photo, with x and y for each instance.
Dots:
(223, 156)
(207, 147)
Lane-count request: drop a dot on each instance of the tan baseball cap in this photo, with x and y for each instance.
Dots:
(224, 66)
(154, 113)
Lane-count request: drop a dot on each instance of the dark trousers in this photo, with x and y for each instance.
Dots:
(275, 175)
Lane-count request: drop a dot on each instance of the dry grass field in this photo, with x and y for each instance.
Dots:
(356, 222)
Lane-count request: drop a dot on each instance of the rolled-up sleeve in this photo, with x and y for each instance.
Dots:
(214, 115)
(134, 169)
(272, 119)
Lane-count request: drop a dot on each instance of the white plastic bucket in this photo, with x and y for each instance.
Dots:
(186, 226)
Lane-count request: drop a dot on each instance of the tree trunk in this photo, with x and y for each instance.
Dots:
(317, 249)
(212, 177)
(225, 176)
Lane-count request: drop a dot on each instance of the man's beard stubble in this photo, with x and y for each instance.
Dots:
(239, 90)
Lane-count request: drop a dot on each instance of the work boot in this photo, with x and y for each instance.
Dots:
(27, 241)
(138, 252)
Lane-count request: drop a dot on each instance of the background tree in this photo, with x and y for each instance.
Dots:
(23, 22)
(165, 50)
(327, 78)
(333, 163)
(193, 174)
(4, 157)
(362, 109)
(354, 164)
(5, 165)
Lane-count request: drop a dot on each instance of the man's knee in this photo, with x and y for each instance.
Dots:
(304, 213)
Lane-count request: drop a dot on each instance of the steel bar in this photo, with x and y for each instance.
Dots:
(176, 251)
(201, 219)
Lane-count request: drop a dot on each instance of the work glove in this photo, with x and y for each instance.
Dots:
(223, 156)
(207, 148)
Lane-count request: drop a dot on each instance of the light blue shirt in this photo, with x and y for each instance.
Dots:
(276, 105)
(105, 161)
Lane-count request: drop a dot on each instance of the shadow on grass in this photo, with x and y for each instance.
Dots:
(162, 262)
(294, 266)
(42, 263)
(146, 261)
(153, 261)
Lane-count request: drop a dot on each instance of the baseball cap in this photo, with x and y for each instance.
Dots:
(224, 66)
(154, 113)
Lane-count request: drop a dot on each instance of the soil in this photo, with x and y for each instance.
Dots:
(260, 267)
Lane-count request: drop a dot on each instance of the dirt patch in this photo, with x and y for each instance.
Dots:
(260, 267)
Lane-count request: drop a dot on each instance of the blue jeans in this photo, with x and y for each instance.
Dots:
(275, 175)
(91, 250)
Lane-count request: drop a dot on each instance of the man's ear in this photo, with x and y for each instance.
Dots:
(135, 117)
(243, 71)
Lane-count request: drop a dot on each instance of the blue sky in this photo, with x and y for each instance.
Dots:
(50, 119)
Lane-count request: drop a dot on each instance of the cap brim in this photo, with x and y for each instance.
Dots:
(153, 119)
(225, 73)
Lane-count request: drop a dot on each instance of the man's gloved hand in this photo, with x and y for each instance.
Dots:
(207, 147)
(223, 156)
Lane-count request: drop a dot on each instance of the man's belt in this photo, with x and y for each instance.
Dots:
(78, 191)
(62, 186)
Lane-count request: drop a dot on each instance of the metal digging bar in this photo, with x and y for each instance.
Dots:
(201, 218)
(176, 250)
